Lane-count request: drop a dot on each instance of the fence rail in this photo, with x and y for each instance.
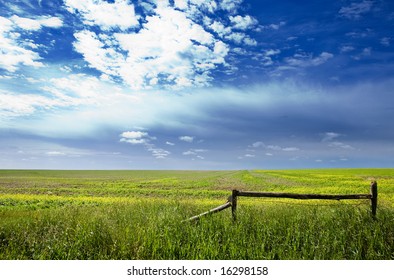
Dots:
(233, 201)
(373, 196)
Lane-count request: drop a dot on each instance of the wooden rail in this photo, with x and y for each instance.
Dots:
(214, 210)
(232, 200)
(373, 196)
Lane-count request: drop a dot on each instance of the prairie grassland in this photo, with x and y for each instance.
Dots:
(138, 214)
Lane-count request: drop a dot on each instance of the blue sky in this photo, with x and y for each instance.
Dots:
(194, 84)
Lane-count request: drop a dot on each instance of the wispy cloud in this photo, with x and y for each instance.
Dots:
(307, 60)
(385, 41)
(356, 10)
(330, 136)
(195, 153)
(331, 139)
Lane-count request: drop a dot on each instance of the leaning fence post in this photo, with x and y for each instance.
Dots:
(234, 205)
(374, 197)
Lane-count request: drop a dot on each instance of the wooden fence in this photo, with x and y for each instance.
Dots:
(232, 200)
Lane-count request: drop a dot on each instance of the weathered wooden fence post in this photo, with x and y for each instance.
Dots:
(234, 204)
(374, 197)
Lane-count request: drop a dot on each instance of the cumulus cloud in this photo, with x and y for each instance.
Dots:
(143, 138)
(158, 153)
(135, 137)
(189, 139)
(17, 51)
(243, 22)
(249, 155)
(171, 45)
(36, 23)
(119, 14)
(258, 144)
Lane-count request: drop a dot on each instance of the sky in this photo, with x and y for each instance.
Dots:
(194, 84)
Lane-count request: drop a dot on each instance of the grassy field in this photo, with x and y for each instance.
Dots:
(138, 214)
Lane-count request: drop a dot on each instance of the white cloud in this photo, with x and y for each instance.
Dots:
(135, 137)
(53, 22)
(181, 4)
(187, 138)
(26, 23)
(143, 138)
(169, 49)
(340, 145)
(329, 136)
(98, 54)
(219, 28)
(12, 52)
(290, 149)
(195, 153)
(345, 49)
(68, 92)
(107, 16)
(230, 5)
(162, 52)
(249, 41)
(55, 153)
(170, 143)
(158, 152)
(385, 41)
(12, 105)
(258, 144)
(274, 147)
(307, 60)
(134, 134)
(15, 51)
(243, 22)
(36, 23)
(367, 51)
(356, 10)
(274, 26)
(249, 155)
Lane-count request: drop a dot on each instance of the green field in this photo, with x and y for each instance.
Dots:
(137, 215)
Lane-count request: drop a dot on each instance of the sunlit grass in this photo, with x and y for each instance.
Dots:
(139, 214)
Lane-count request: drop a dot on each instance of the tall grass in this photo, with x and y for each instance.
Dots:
(115, 217)
(154, 231)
